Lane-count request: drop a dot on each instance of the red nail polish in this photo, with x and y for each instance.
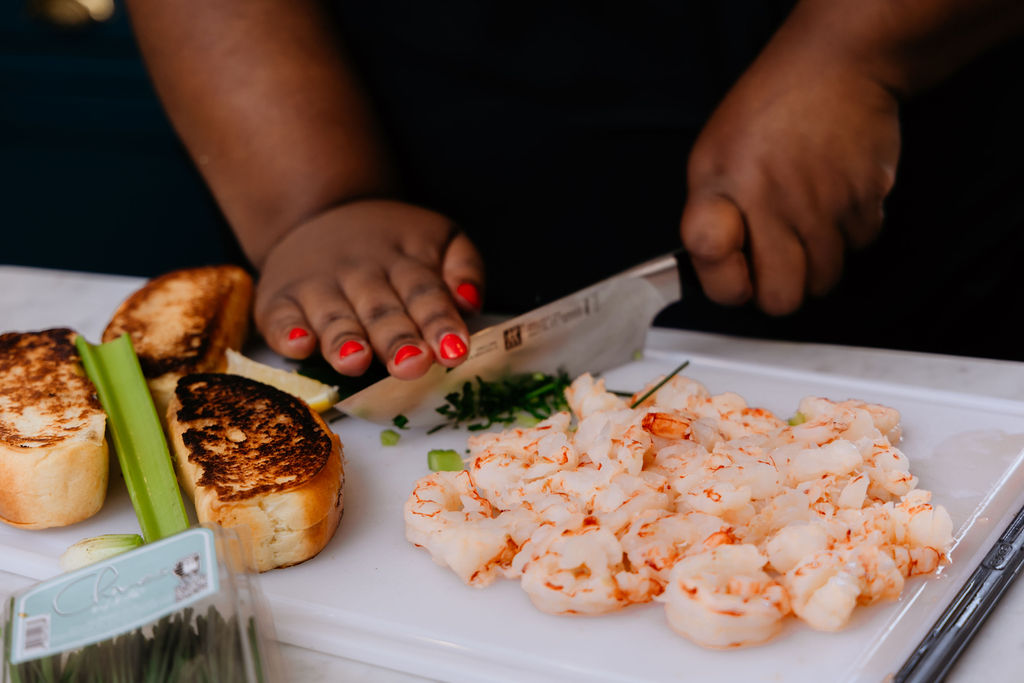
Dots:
(468, 291)
(349, 347)
(297, 333)
(452, 347)
(407, 351)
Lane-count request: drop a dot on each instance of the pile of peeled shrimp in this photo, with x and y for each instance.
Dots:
(729, 516)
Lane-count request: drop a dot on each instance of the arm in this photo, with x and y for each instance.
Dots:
(794, 165)
(261, 95)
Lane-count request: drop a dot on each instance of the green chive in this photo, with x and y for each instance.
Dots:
(389, 437)
(660, 384)
(440, 459)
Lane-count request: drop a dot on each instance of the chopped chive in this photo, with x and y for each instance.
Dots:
(481, 404)
(660, 384)
(797, 419)
(389, 437)
(400, 421)
(440, 459)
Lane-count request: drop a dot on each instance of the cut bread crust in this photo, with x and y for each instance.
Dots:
(54, 460)
(260, 461)
(182, 322)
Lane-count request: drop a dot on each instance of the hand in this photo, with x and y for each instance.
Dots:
(371, 276)
(791, 169)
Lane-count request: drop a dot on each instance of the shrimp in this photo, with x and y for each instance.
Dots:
(447, 517)
(614, 440)
(573, 571)
(722, 512)
(856, 418)
(888, 468)
(731, 482)
(826, 586)
(502, 463)
(679, 426)
(677, 394)
(790, 507)
(682, 463)
(586, 396)
(735, 419)
(613, 498)
(837, 457)
(792, 543)
(723, 598)
(920, 534)
(656, 539)
(628, 495)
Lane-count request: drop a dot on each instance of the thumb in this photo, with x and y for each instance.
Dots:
(714, 233)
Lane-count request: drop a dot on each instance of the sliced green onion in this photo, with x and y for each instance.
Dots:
(797, 419)
(91, 550)
(400, 421)
(389, 437)
(447, 460)
(483, 404)
(660, 384)
(138, 436)
(527, 419)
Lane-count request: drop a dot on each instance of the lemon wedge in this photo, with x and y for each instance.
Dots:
(318, 395)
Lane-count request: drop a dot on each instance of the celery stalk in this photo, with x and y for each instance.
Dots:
(137, 435)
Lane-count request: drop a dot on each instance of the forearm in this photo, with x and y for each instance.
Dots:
(905, 45)
(262, 98)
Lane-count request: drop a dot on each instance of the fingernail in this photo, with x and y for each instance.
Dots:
(452, 346)
(468, 291)
(297, 333)
(407, 351)
(349, 347)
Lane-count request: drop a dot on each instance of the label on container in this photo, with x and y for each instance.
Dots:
(114, 596)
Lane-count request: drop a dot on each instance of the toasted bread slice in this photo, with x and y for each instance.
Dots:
(53, 453)
(182, 322)
(259, 460)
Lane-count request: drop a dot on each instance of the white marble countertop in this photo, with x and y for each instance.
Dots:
(36, 299)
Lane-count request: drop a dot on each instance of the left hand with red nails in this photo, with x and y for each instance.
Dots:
(369, 277)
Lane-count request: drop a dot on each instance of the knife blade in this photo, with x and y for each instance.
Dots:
(594, 329)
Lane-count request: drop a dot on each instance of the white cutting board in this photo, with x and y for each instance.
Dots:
(373, 597)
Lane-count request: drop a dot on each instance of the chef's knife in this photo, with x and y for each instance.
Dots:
(594, 329)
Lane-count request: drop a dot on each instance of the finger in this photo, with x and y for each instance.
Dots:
(430, 305)
(779, 262)
(713, 233)
(823, 249)
(393, 335)
(463, 271)
(342, 338)
(811, 213)
(862, 220)
(284, 327)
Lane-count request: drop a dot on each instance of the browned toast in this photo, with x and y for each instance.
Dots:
(255, 457)
(182, 322)
(53, 452)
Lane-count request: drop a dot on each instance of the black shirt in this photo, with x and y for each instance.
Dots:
(556, 135)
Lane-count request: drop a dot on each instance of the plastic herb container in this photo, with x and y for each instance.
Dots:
(181, 609)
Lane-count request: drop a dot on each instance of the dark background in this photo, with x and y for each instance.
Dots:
(91, 174)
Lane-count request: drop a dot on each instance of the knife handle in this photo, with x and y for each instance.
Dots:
(672, 275)
(689, 283)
